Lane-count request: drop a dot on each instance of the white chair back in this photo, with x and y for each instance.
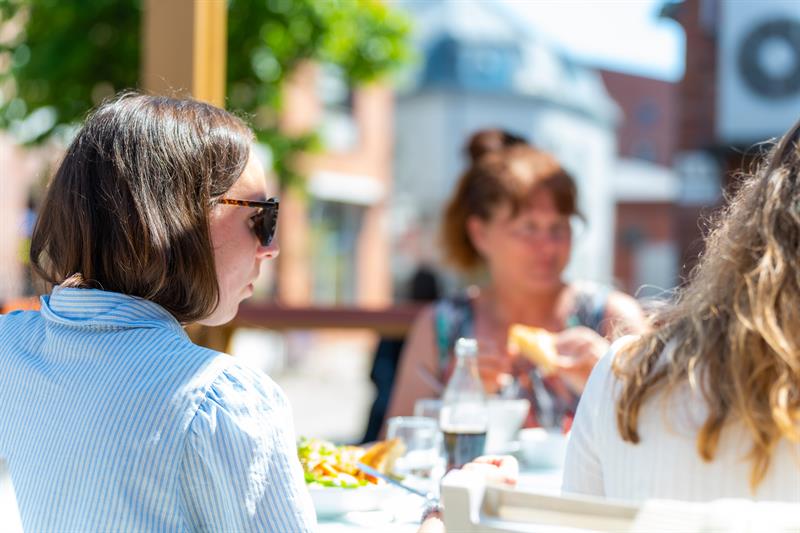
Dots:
(470, 506)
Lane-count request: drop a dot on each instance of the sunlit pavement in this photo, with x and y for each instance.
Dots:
(9, 516)
(325, 376)
(330, 391)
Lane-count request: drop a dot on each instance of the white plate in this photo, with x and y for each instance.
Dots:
(329, 501)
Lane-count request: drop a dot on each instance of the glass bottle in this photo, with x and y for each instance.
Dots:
(464, 417)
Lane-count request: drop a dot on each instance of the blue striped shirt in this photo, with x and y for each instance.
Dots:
(112, 420)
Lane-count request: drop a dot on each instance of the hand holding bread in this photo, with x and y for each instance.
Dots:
(571, 353)
(535, 344)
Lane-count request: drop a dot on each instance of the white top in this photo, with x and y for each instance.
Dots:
(665, 464)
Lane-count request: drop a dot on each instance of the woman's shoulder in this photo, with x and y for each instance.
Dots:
(451, 318)
(14, 322)
(457, 302)
(602, 377)
(239, 382)
(605, 309)
(233, 390)
(457, 309)
(223, 380)
(588, 302)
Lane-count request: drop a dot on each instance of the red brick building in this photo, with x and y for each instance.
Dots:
(741, 86)
(648, 106)
(334, 239)
(645, 257)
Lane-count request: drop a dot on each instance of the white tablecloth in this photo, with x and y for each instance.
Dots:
(401, 512)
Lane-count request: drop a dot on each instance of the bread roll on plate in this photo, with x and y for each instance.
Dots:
(382, 455)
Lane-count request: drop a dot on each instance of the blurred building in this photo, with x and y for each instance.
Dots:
(334, 235)
(13, 192)
(23, 173)
(647, 129)
(680, 144)
(480, 67)
(646, 257)
(741, 87)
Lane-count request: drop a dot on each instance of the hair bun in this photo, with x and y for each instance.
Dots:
(485, 141)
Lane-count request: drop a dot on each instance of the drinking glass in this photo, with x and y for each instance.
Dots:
(422, 440)
(428, 407)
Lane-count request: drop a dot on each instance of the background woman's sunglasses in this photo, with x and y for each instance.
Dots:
(265, 221)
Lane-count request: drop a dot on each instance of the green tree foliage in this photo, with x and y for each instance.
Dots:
(67, 56)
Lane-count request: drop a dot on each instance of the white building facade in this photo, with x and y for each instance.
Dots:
(480, 69)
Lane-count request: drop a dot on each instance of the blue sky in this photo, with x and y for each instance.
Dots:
(624, 35)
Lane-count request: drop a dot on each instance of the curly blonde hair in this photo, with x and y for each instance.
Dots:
(735, 328)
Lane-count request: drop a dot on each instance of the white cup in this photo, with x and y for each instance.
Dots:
(506, 416)
(542, 448)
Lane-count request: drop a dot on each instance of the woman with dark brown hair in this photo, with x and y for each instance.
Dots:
(111, 419)
(706, 404)
(510, 216)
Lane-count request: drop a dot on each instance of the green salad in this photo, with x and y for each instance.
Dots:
(328, 465)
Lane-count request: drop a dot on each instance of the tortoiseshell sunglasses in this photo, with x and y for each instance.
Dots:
(265, 221)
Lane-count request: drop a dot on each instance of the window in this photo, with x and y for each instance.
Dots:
(647, 113)
(335, 228)
(487, 67)
(644, 150)
(338, 129)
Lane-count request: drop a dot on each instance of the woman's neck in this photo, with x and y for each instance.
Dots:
(508, 305)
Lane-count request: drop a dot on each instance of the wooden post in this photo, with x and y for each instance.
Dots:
(185, 48)
(210, 52)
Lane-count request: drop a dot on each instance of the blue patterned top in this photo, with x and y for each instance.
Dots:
(112, 420)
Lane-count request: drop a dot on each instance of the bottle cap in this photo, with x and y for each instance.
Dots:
(466, 346)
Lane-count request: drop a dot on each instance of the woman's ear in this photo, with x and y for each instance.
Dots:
(476, 231)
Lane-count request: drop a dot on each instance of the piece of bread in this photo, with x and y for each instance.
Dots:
(536, 344)
(382, 455)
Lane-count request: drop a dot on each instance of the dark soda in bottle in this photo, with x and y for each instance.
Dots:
(464, 416)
